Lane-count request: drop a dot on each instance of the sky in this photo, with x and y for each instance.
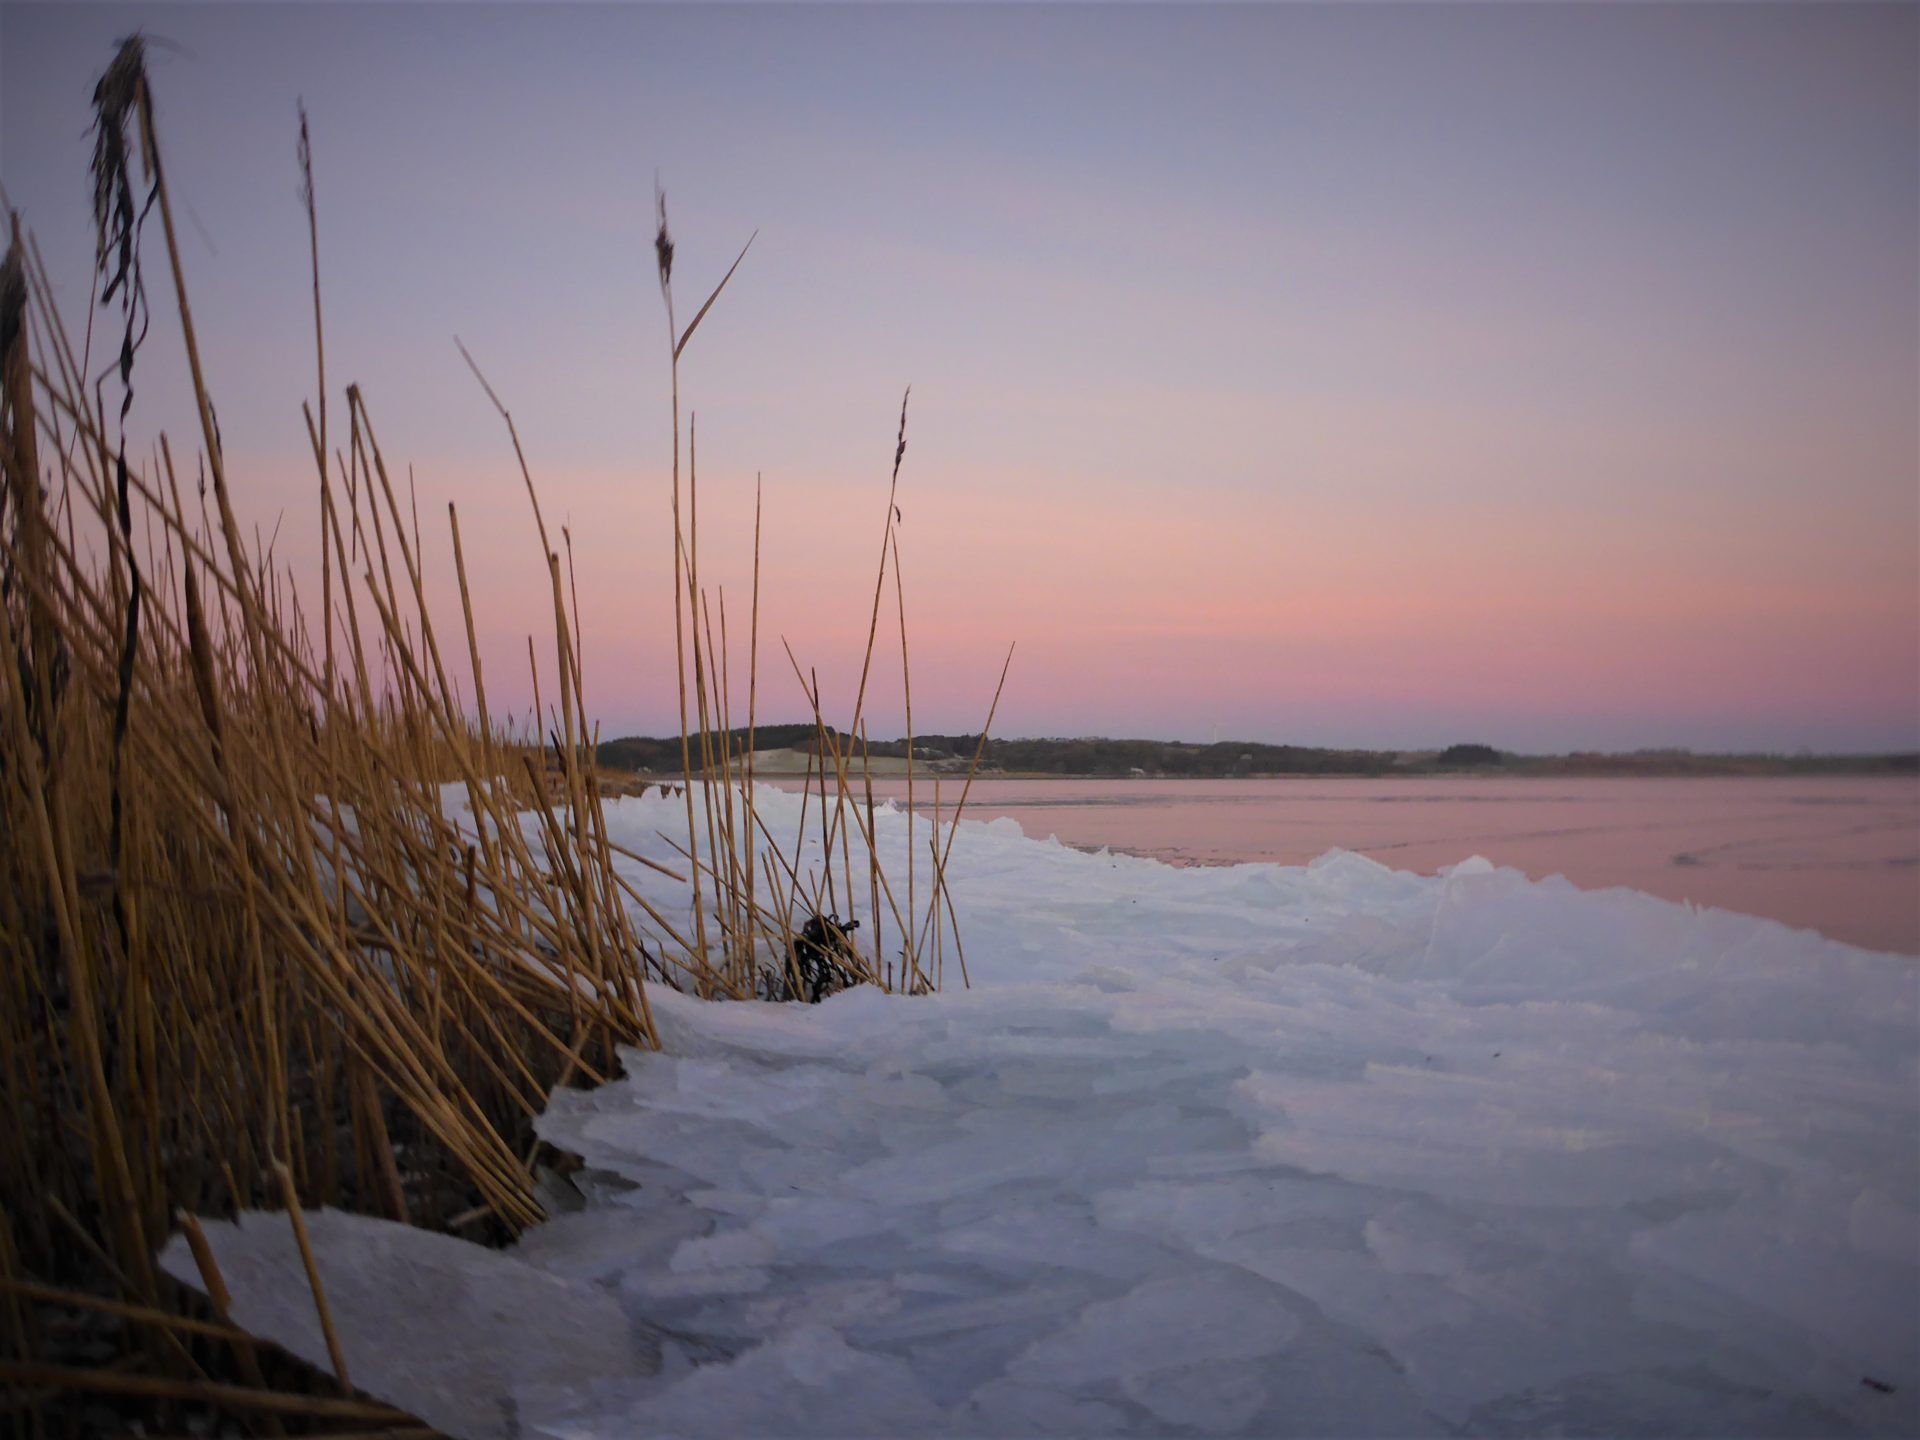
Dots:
(1373, 375)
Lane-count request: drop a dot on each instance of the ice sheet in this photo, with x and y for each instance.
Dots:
(1321, 1150)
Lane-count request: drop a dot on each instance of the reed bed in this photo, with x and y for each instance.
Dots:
(250, 958)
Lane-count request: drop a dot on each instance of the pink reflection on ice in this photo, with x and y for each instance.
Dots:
(1837, 855)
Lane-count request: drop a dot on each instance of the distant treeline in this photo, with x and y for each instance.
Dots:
(661, 755)
(1093, 755)
(1096, 755)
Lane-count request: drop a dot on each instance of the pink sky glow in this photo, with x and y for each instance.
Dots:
(1370, 376)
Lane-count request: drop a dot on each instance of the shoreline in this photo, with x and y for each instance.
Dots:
(891, 768)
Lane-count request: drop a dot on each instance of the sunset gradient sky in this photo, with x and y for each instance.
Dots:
(1366, 375)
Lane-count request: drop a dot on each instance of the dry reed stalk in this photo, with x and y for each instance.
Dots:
(663, 250)
(210, 1276)
(753, 696)
(973, 768)
(145, 1315)
(299, 1222)
(907, 957)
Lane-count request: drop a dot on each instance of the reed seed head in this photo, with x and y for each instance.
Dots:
(114, 99)
(662, 239)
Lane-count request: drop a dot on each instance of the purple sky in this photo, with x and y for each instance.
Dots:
(1371, 375)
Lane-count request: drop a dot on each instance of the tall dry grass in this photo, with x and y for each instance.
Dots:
(249, 957)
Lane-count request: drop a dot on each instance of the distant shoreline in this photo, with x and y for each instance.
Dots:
(1491, 772)
(783, 750)
(1865, 772)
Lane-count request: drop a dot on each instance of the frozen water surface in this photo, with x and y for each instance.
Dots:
(1329, 1150)
(1838, 853)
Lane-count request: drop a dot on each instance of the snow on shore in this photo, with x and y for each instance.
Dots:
(1332, 1150)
